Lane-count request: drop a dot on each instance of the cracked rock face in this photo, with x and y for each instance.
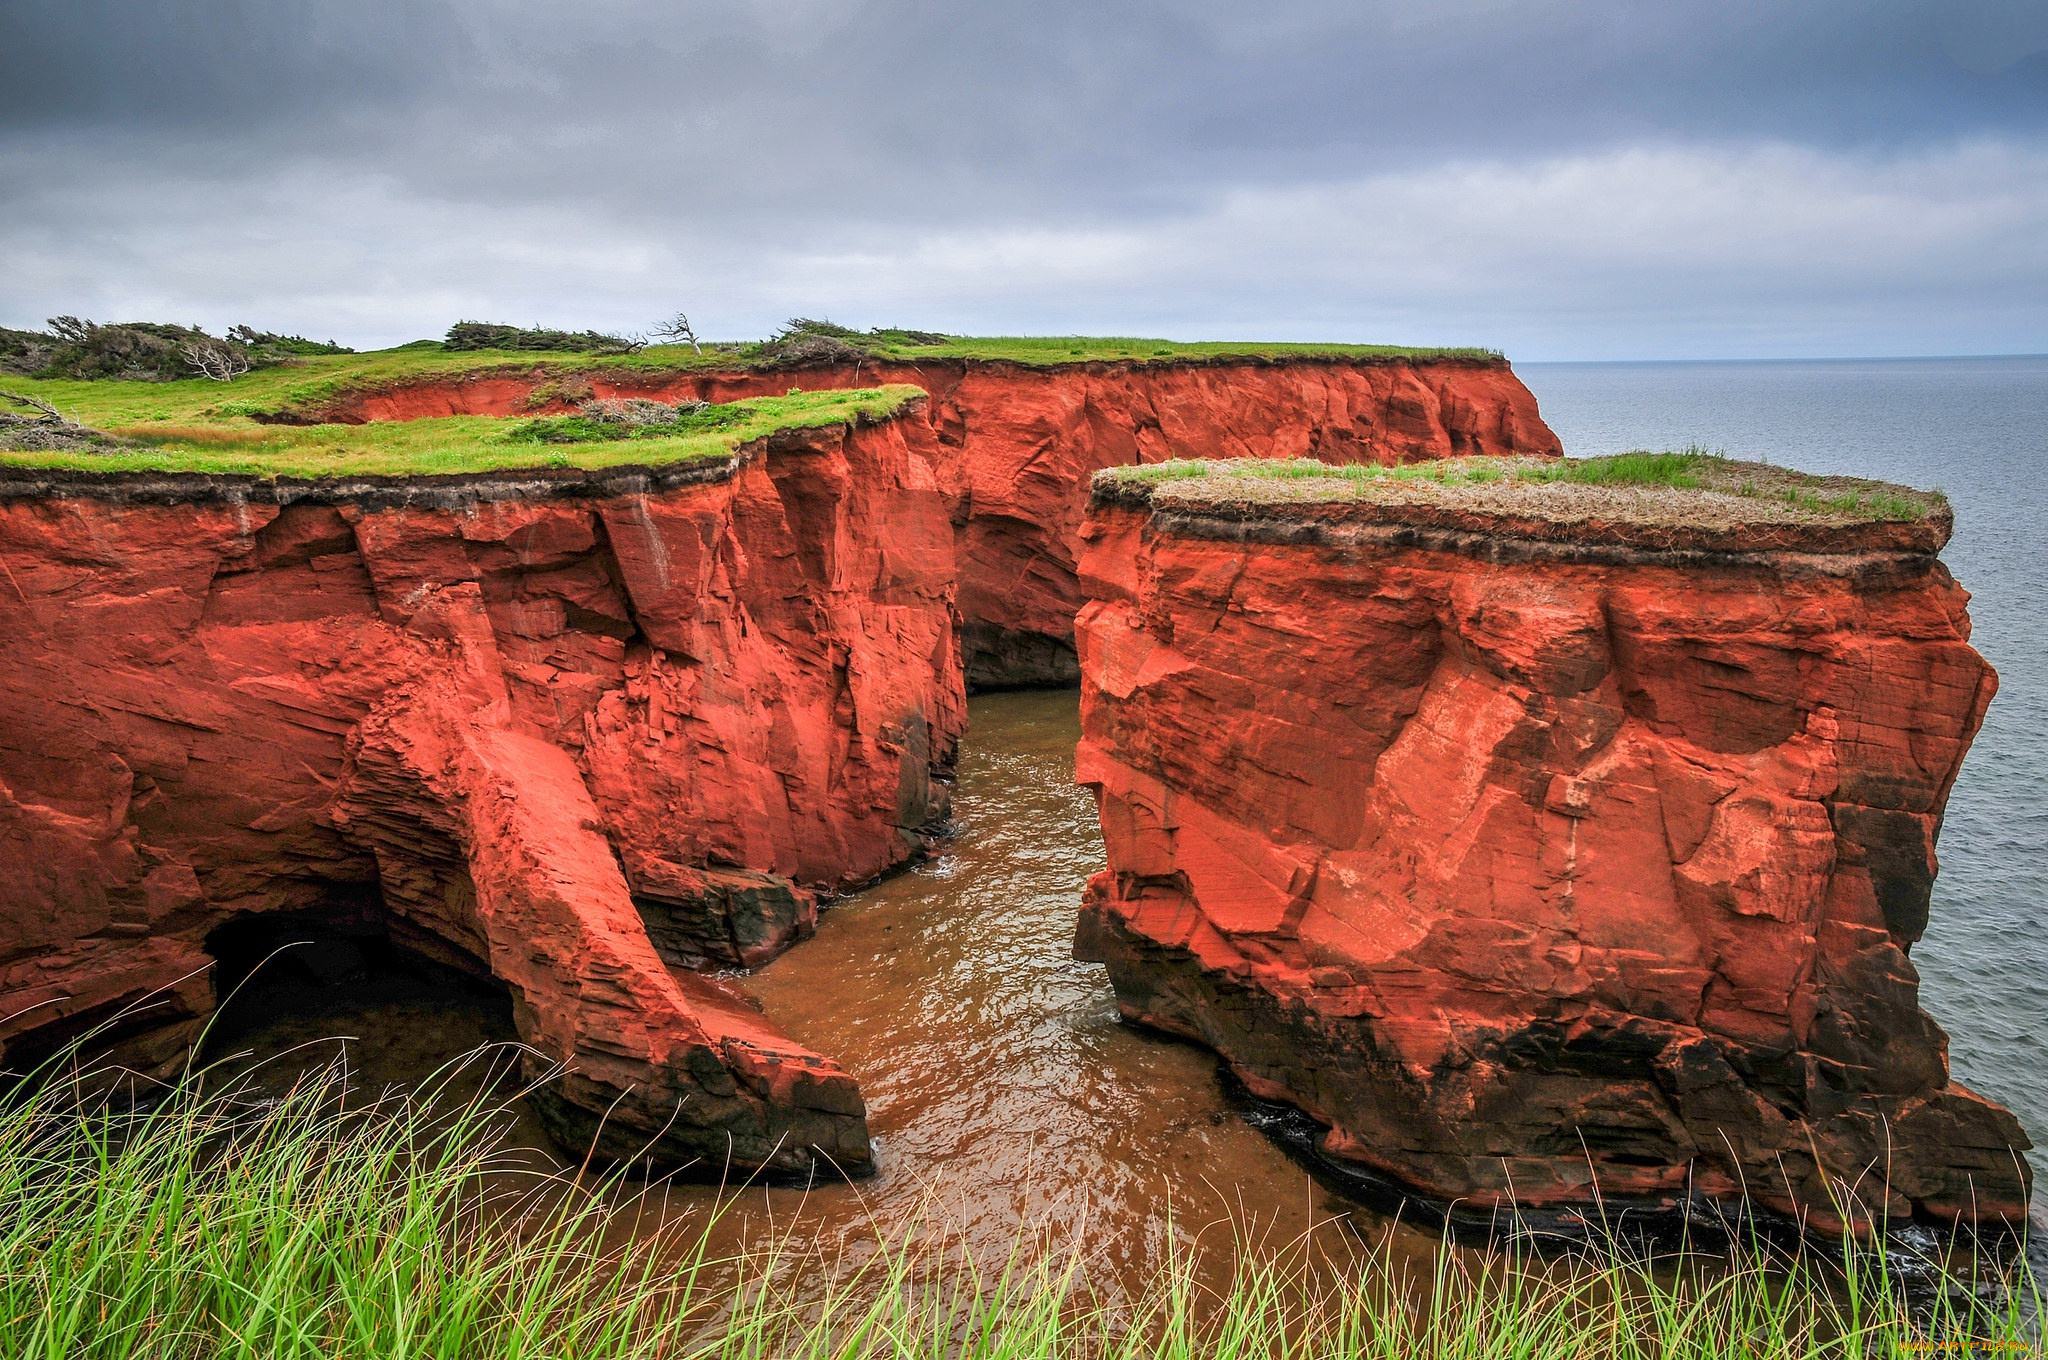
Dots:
(583, 744)
(1018, 445)
(1520, 871)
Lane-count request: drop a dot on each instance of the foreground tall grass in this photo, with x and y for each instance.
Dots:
(215, 1224)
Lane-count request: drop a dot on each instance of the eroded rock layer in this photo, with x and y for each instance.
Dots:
(1524, 865)
(1021, 442)
(584, 733)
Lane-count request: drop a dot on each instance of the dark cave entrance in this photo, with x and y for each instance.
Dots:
(336, 982)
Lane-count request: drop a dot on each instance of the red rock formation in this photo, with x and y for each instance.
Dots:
(1518, 863)
(532, 712)
(1024, 440)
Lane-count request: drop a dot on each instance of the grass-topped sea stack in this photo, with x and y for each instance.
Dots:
(1546, 829)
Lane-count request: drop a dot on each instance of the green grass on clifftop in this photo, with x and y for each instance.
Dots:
(1079, 349)
(1676, 486)
(189, 437)
(256, 424)
(310, 382)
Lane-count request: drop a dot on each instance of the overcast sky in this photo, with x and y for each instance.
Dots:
(1589, 180)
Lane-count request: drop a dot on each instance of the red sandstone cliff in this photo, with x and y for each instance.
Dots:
(580, 732)
(1021, 442)
(1518, 863)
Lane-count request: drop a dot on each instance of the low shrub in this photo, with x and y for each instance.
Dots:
(25, 352)
(633, 418)
(804, 340)
(467, 335)
(271, 344)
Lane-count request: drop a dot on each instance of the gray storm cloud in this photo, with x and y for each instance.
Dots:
(1569, 180)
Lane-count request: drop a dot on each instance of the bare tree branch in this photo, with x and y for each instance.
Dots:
(677, 330)
(49, 412)
(48, 428)
(214, 361)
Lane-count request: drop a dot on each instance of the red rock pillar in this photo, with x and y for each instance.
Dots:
(1528, 865)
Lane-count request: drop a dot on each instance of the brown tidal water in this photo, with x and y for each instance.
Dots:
(1004, 1094)
(999, 1080)
(1008, 1102)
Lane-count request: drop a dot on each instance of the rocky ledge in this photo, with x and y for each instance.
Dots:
(1544, 832)
(583, 734)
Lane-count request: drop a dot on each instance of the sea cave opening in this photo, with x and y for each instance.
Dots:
(344, 981)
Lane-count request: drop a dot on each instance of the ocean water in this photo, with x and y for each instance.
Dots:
(1977, 429)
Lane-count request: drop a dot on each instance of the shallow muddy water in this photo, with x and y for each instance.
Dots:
(1003, 1092)
(996, 1071)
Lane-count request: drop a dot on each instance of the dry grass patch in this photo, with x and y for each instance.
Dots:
(1689, 488)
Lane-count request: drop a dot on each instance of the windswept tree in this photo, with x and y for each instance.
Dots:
(212, 359)
(678, 331)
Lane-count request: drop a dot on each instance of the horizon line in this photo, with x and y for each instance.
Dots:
(1798, 359)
